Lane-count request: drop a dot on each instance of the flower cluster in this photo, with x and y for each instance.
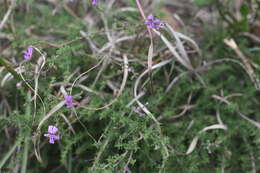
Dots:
(94, 2)
(69, 102)
(28, 53)
(153, 23)
(52, 130)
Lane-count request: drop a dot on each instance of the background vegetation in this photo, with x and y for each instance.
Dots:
(194, 110)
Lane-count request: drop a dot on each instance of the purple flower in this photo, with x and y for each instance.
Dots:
(52, 130)
(153, 23)
(28, 53)
(69, 102)
(94, 2)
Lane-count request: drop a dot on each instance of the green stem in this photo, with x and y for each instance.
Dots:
(27, 136)
(9, 153)
(25, 154)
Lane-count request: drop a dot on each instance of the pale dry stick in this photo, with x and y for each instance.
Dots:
(122, 156)
(105, 63)
(16, 168)
(112, 86)
(178, 36)
(69, 124)
(50, 113)
(36, 148)
(179, 45)
(222, 99)
(122, 87)
(174, 81)
(92, 45)
(9, 76)
(128, 170)
(78, 85)
(82, 79)
(255, 123)
(251, 36)
(220, 61)
(135, 99)
(178, 18)
(137, 83)
(63, 84)
(222, 169)
(32, 89)
(127, 163)
(218, 117)
(60, 45)
(63, 91)
(5, 115)
(167, 75)
(248, 64)
(71, 12)
(174, 52)
(143, 107)
(233, 95)
(189, 127)
(112, 43)
(7, 105)
(196, 138)
(1, 69)
(150, 51)
(41, 62)
(109, 37)
(96, 160)
(253, 162)
(189, 40)
(82, 74)
(149, 78)
(125, 9)
(88, 90)
(7, 14)
(73, 73)
(184, 108)
(121, 39)
(110, 4)
(78, 118)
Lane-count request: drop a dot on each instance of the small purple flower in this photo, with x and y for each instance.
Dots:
(52, 130)
(69, 102)
(28, 53)
(94, 2)
(153, 23)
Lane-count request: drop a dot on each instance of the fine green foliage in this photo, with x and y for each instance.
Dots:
(126, 119)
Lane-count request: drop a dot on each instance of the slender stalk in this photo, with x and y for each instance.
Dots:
(25, 154)
(9, 153)
(27, 136)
